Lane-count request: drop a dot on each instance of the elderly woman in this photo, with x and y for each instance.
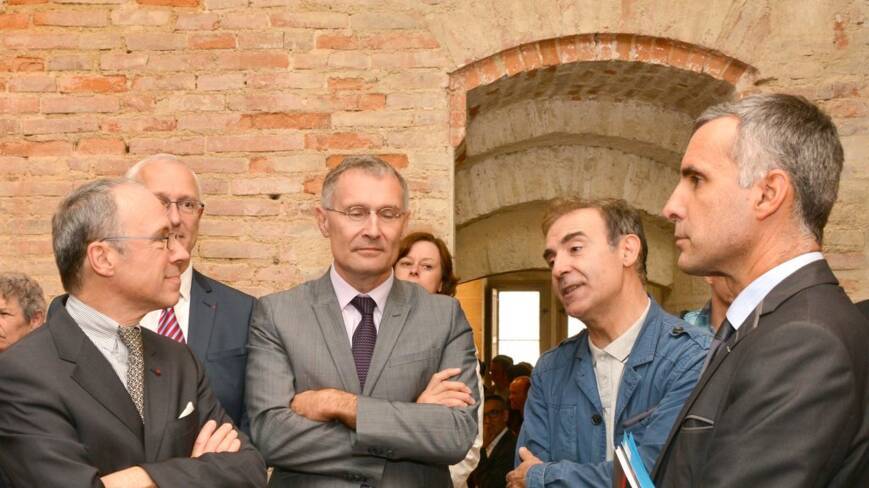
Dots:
(22, 307)
(425, 260)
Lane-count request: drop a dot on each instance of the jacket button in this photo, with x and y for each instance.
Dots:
(677, 331)
(596, 419)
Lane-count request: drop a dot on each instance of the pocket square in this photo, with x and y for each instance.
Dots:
(187, 410)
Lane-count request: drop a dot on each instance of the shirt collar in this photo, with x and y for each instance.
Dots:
(99, 327)
(621, 347)
(749, 298)
(187, 282)
(346, 293)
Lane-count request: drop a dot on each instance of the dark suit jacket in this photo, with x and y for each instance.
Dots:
(864, 307)
(217, 333)
(787, 404)
(492, 470)
(66, 418)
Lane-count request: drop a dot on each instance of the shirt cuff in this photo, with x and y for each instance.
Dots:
(534, 477)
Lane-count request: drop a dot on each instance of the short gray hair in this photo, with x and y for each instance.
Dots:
(24, 289)
(86, 215)
(133, 172)
(787, 132)
(371, 165)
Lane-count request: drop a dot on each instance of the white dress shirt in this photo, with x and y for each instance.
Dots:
(492, 445)
(346, 293)
(151, 320)
(749, 298)
(609, 364)
(103, 332)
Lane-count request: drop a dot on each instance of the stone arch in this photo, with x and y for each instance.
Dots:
(592, 115)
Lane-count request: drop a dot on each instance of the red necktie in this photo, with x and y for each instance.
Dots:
(168, 326)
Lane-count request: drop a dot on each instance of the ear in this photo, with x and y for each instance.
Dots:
(37, 319)
(630, 250)
(99, 257)
(773, 191)
(322, 221)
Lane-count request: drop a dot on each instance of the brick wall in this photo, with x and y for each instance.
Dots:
(262, 96)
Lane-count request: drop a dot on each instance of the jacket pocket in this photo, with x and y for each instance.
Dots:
(226, 353)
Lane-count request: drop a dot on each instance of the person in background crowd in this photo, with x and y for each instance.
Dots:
(22, 310)
(519, 369)
(356, 378)
(210, 317)
(499, 368)
(499, 446)
(784, 398)
(630, 370)
(425, 260)
(518, 395)
(22, 307)
(92, 398)
(711, 315)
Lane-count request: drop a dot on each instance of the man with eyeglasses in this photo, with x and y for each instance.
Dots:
(92, 398)
(356, 378)
(499, 446)
(210, 317)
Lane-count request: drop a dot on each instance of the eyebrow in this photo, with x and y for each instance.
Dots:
(567, 238)
(691, 170)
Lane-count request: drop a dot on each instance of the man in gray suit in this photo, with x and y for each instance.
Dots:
(356, 378)
(783, 400)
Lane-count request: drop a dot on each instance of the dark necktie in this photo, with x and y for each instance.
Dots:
(132, 338)
(364, 337)
(724, 332)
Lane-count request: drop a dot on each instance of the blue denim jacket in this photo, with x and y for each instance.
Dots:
(564, 424)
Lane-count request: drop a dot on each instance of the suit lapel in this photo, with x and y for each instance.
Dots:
(398, 304)
(203, 312)
(157, 394)
(328, 314)
(583, 373)
(93, 372)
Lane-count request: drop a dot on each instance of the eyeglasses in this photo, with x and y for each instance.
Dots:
(187, 206)
(163, 240)
(493, 413)
(360, 213)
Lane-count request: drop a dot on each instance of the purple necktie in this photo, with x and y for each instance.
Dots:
(364, 337)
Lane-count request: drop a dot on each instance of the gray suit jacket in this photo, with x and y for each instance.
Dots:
(785, 404)
(298, 342)
(66, 418)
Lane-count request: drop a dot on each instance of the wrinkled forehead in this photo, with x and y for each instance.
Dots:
(360, 187)
(139, 210)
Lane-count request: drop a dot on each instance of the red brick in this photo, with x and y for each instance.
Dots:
(348, 60)
(22, 63)
(285, 80)
(197, 21)
(314, 185)
(285, 121)
(73, 104)
(101, 146)
(266, 102)
(208, 123)
(123, 62)
(549, 53)
(212, 164)
(92, 84)
(265, 186)
(129, 15)
(256, 143)
(71, 62)
(337, 41)
(490, 70)
(197, 60)
(32, 83)
(606, 46)
(261, 40)
(310, 20)
(624, 43)
(172, 145)
(715, 66)
(245, 208)
(734, 72)
(567, 49)
(661, 51)
(64, 125)
(372, 101)
(36, 148)
(197, 102)
(235, 249)
(14, 104)
(342, 140)
(347, 84)
(139, 102)
(139, 124)
(220, 82)
(513, 61)
(174, 82)
(401, 40)
(35, 188)
(586, 48)
(170, 3)
(42, 40)
(531, 57)
(245, 20)
(397, 161)
(211, 41)
(252, 60)
(72, 18)
(14, 21)
(679, 55)
(155, 41)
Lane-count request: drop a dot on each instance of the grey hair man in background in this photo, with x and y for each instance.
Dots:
(356, 378)
(22, 307)
(784, 398)
(92, 398)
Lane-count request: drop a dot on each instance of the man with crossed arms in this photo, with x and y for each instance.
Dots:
(356, 378)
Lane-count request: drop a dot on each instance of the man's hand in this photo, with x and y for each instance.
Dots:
(134, 477)
(447, 393)
(211, 439)
(516, 478)
(326, 405)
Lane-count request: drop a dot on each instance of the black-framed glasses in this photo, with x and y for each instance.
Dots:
(360, 213)
(163, 240)
(187, 205)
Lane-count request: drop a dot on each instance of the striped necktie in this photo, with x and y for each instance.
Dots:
(364, 337)
(168, 326)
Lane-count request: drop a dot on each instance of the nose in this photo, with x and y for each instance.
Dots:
(414, 270)
(371, 226)
(559, 266)
(177, 252)
(674, 210)
(174, 214)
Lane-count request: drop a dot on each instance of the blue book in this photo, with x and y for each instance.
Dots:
(629, 469)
